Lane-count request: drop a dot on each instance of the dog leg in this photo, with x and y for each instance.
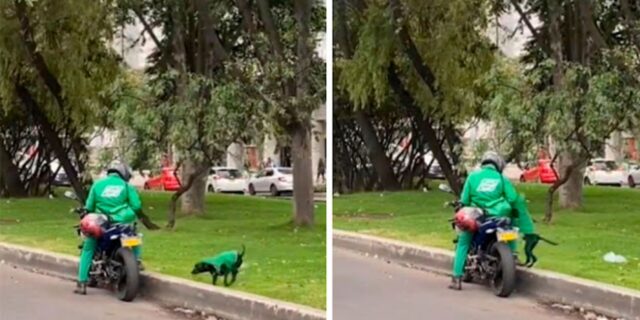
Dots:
(226, 280)
(215, 278)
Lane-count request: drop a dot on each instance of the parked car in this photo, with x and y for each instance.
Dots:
(164, 180)
(274, 180)
(222, 179)
(435, 171)
(634, 175)
(60, 178)
(541, 172)
(604, 172)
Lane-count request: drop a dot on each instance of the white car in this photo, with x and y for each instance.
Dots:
(222, 179)
(274, 180)
(604, 172)
(634, 176)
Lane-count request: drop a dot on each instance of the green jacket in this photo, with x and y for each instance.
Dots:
(227, 258)
(114, 197)
(488, 189)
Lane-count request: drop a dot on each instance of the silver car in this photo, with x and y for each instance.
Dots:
(275, 181)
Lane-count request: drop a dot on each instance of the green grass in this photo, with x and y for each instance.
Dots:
(608, 221)
(281, 261)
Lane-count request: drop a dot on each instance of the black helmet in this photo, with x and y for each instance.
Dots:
(492, 157)
(121, 169)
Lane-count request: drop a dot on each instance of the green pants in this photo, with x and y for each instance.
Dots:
(89, 245)
(462, 249)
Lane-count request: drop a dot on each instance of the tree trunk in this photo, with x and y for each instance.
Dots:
(52, 138)
(302, 177)
(185, 185)
(192, 201)
(377, 154)
(571, 192)
(10, 184)
(301, 131)
(570, 169)
(426, 128)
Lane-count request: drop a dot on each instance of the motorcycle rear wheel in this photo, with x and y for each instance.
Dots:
(129, 280)
(503, 282)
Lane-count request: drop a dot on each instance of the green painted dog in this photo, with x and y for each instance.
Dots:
(224, 264)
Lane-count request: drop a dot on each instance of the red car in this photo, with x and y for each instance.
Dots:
(165, 181)
(542, 172)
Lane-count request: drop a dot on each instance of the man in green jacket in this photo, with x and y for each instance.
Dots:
(489, 190)
(116, 198)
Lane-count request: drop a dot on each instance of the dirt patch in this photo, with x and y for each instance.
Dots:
(8, 221)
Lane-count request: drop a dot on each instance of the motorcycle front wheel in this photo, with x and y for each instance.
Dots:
(503, 282)
(129, 279)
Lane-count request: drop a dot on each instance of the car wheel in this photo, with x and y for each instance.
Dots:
(632, 183)
(210, 188)
(587, 181)
(252, 190)
(522, 180)
(274, 191)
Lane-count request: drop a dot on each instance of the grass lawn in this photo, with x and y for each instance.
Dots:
(281, 262)
(608, 221)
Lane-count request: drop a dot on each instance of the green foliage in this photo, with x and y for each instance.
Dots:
(80, 34)
(200, 125)
(450, 40)
(592, 103)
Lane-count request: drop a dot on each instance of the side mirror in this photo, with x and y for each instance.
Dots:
(445, 188)
(70, 195)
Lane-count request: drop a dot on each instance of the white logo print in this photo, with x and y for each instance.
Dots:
(112, 191)
(488, 185)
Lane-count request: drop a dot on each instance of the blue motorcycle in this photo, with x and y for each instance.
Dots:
(114, 264)
(490, 258)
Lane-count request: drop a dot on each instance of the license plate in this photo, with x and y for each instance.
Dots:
(130, 242)
(505, 236)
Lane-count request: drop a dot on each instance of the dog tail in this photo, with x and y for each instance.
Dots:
(549, 241)
(243, 249)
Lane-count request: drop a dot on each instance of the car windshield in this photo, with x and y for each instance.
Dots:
(606, 165)
(232, 173)
(285, 170)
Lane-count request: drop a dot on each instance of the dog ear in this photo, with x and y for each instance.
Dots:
(241, 254)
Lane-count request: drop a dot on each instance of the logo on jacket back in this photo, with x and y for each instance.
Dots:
(488, 185)
(112, 191)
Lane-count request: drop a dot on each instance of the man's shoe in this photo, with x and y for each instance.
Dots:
(456, 283)
(81, 288)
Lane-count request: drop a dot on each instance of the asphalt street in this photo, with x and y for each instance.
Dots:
(368, 288)
(29, 296)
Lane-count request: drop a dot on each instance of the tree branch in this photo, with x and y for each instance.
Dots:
(36, 58)
(534, 32)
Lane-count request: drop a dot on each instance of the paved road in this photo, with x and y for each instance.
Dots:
(367, 288)
(28, 296)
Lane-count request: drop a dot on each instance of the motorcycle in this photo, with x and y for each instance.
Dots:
(490, 258)
(114, 263)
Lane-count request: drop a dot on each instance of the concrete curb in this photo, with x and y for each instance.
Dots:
(170, 291)
(541, 285)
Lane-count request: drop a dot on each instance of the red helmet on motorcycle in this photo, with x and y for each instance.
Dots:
(92, 225)
(466, 219)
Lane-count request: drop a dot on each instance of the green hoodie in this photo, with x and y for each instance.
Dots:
(488, 189)
(227, 258)
(114, 197)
